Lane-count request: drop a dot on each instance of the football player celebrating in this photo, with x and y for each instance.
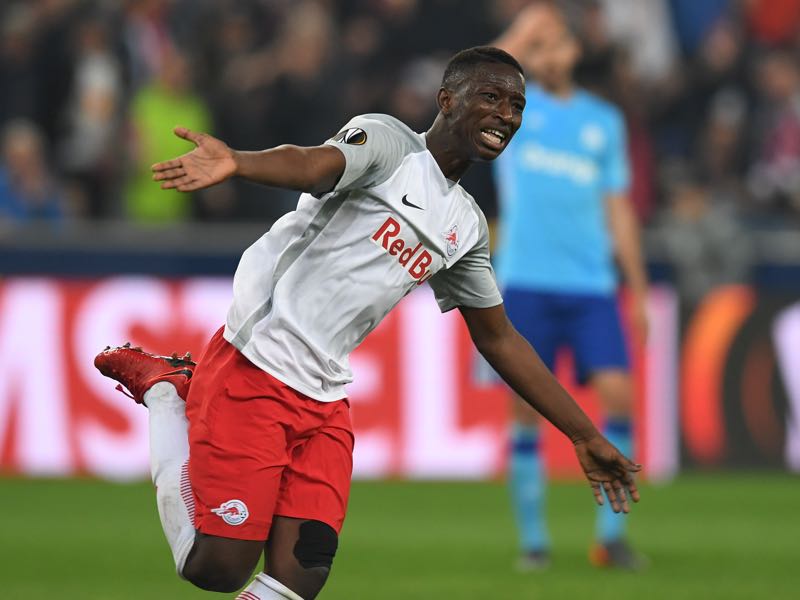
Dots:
(259, 456)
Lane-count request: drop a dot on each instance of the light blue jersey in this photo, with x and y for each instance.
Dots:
(553, 180)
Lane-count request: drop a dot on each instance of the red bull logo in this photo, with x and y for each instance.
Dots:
(451, 240)
(233, 512)
(415, 260)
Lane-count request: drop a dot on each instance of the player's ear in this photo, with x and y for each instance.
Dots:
(444, 100)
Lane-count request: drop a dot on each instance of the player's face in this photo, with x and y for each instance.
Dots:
(490, 109)
(552, 52)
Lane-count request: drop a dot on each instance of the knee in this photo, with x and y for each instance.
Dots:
(309, 565)
(217, 573)
(616, 393)
(220, 564)
(316, 545)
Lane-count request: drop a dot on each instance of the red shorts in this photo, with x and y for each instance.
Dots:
(258, 448)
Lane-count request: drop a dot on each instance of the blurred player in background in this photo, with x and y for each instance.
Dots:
(564, 215)
(266, 466)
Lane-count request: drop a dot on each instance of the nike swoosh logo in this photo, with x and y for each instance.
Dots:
(412, 205)
(186, 372)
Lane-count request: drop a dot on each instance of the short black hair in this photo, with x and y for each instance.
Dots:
(463, 62)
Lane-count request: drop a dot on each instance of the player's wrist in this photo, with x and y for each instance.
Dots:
(237, 158)
(584, 435)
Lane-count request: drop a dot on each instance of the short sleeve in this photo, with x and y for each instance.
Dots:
(616, 173)
(471, 281)
(372, 150)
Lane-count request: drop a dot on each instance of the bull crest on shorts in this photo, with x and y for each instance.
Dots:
(233, 512)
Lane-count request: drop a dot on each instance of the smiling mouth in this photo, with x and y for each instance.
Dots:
(493, 137)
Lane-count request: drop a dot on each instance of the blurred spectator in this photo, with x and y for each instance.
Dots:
(775, 176)
(28, 191)
(413, 101)
(627, 92)
(703, 241)
(239, 67)
(56, 21)
(774, 22)
(146, 38)
(718, 67)
(361, 41)
(639, 27)
(306, 101)
(693, 19)
(93, 118)
(18, 75)
(721, 151)
(155, 110)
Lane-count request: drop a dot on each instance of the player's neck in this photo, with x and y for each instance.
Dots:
(447, 151)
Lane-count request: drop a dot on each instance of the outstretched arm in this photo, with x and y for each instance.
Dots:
(522, 369)
(624, 229)
(308, 169)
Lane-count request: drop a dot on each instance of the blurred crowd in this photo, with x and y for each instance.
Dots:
(91, 90)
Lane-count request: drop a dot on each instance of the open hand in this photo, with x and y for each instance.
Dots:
(212, 161)
(607, 469)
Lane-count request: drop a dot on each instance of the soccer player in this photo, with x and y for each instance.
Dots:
(564, 215)
(260, 456)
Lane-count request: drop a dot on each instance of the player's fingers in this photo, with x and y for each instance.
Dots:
(176, 183)
(632, 489)
(632, 466)
(167, 164)
(598, 492)
(612, 496)
(622, 497)
(621, 466)
(188, 134)
(169, 174)
(190, 186)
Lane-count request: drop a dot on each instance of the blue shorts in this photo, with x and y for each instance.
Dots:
(588, 324)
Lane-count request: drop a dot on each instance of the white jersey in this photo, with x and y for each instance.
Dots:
(311, 289)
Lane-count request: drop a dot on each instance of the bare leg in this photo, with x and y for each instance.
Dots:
(283, 558)
(220, 564)
(297, 561)
(615, 391)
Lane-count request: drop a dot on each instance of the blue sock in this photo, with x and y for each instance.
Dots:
(526, 480)
(611, 525)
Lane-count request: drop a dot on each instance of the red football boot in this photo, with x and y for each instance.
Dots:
(138, 371)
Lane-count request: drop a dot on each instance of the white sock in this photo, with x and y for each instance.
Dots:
(264, 587)
(169, 462)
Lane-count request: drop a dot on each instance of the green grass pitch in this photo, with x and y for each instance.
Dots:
(709, 536)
